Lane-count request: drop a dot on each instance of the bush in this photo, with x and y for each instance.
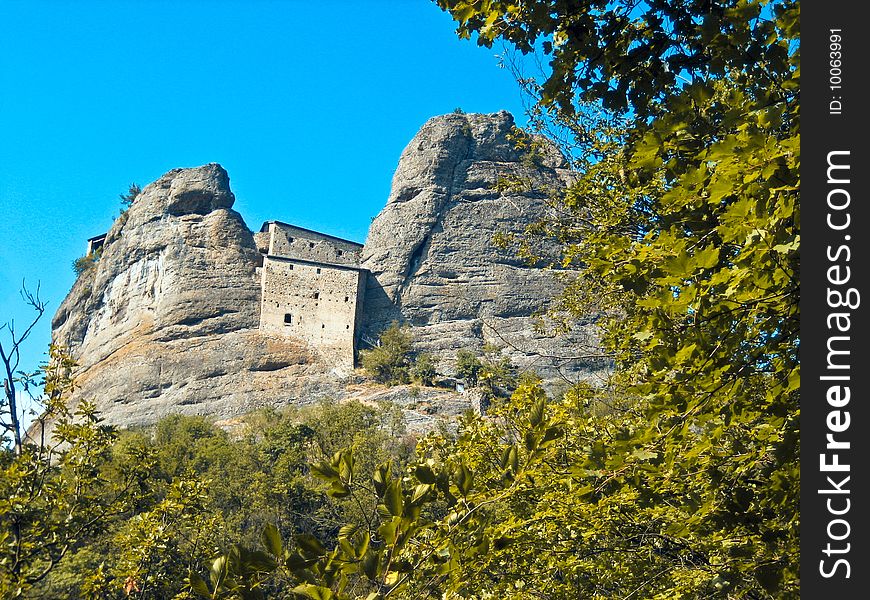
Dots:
(468, 366)
(130, 197)
(390, 360)
(424, 371)
(85, 263)
(491, 372)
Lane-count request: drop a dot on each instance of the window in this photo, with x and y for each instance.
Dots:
(288, 318)
(317, 295)
(291, 267)
(347, 326)
(311, 244)
(289, 240)
(340, 252)
(318, 270)
(346, 298)
(322, 326)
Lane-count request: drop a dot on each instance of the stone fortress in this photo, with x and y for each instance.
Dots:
(188, 310)
(311, 287)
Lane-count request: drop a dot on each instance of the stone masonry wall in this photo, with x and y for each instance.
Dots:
(313, 302)
(296, 242)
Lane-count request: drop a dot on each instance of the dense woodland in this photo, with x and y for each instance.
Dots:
(679, 478)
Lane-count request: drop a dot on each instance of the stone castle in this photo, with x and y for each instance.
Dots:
(312, 287)
(189, 310)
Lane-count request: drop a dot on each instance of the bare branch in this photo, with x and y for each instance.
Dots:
(11, 359)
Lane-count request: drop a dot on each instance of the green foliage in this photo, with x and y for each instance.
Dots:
(468, 366)
(686, 221)
(127, 199)
(490, 371)
(54, 495)
(430, 527)
(205, 492)
(390, 361)
(425, 369)
(85, 264)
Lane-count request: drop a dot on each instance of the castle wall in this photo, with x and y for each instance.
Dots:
(315, 302)
(297, 242)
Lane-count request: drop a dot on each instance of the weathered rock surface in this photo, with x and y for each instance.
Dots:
(167, 320)
(431, 252)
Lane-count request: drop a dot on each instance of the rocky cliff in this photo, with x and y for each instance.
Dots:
(431, 252)
(167, 319)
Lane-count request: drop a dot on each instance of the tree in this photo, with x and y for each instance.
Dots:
(390, 360)
(468, 366)
(424, 370)
(132, 193)
(685, 119)
(54, 495)
(10, 409)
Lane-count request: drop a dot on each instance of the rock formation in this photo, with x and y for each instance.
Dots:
(431, 254)
(167, 319)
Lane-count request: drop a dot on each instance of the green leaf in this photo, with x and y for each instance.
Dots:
(347, 531)
(424, 473)
(389, 530)
(218, 571)
(315, 592)
(393, 497)
(537, 413)
(324, 470)
(464, 479)
(198, 585)
(309, 545)
(369, 564)
(271, 538)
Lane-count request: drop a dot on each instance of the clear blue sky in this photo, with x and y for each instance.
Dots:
(306, 104)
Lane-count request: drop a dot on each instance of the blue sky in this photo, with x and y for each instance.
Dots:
(306, 104)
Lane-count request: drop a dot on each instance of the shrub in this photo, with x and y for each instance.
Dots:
(390, 360)
(130, 197)
(424, 371)
(468, 366)
(85, 263)
(491, 372)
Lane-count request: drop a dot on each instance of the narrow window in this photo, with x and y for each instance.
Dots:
(346, 298)
(347, 326)
(318, 270)
(322, 326)
(288, 318)
(317, 295)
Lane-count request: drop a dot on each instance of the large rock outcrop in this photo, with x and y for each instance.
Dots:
(166, 320)
(431, 254)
